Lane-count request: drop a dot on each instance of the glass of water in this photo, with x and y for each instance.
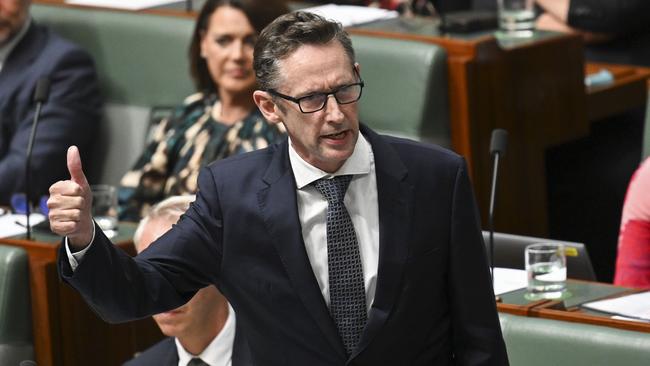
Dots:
(104, 207)
(517, 17)
(546, 269)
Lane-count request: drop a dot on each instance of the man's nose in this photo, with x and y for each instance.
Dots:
(333, 109)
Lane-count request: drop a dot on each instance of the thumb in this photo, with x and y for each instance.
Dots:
(74, 167)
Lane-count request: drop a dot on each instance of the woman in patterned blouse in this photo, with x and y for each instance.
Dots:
(218, 121)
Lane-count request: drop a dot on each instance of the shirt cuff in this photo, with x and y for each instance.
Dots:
(76, 257)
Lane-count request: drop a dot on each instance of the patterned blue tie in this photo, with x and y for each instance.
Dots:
(347, 290)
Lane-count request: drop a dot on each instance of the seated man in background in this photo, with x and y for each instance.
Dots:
(204, 328)
(29, 52)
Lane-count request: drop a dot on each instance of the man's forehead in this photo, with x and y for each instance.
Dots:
(310, 64)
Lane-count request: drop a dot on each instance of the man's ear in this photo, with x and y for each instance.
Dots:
(267, 106)
(358, 68)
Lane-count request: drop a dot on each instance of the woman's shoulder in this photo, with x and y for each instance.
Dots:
(199, 98)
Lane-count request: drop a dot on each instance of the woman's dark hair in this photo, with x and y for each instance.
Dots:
(259, 13)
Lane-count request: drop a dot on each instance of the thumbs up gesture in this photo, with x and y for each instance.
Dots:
(70, 204)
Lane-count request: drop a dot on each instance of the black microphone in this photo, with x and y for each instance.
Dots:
(498, 145)
(41, 93)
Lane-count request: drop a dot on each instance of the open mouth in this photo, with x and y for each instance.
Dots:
(336, 136)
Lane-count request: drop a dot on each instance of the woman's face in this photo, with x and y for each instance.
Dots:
(227, 47)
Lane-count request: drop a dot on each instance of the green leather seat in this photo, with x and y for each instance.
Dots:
(141, 61)
(545, 342)
(406, 88)
(16, 343)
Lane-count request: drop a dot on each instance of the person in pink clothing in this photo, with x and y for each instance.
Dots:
(633, 259)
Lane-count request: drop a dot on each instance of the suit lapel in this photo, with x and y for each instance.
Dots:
(395, 196)
(279, 209)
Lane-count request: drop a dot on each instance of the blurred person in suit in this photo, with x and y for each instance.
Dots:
(71, 115)
(633, 257)
(204, 329)
(336, 246)
(218, 121)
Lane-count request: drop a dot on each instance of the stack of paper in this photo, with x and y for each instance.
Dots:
(509, 279)
(349, 15)
(636, 306)
(14, 224)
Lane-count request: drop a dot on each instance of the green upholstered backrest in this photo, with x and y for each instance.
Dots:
(406, 88)
(141, 62)
(544, 342)
(15, 307)
(141, 59)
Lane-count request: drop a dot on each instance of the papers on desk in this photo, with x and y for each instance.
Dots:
(13, 224)
(349, 15)
(509, 279)
(636, 306)
(122, 4)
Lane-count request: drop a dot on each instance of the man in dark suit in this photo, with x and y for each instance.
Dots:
(391, 271)
(71, 115)
(202, 330)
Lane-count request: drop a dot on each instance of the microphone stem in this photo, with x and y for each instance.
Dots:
(28, 169)
(493, 194)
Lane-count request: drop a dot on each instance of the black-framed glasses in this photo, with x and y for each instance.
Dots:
(345, 94)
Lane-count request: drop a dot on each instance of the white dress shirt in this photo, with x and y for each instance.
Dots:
(219, 351)
(360, 200)
(6, 49)
(361, 203)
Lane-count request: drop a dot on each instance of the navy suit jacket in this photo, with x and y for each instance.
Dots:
(433, 304)
(164, 353)
(70, 116)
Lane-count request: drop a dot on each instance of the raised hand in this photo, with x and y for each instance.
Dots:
(70, 204)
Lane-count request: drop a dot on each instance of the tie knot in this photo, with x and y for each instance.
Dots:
(197, 362)
(333, 189)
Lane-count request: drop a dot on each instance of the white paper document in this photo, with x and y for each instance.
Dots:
(122, 4)
(635, 306)
(14, 224)
(509, 279)
(349, 15)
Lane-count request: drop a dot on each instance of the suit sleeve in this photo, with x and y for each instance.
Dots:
(610, 16)
(476, 330)
(70, 116)
(164, 276)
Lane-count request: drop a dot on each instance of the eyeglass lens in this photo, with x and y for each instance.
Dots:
(345, 95)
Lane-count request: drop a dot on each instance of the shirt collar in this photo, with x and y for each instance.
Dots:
(6, 49)
(358, 163)
(219, 351)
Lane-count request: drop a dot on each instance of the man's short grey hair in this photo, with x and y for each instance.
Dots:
(169, 210)
(285, 35)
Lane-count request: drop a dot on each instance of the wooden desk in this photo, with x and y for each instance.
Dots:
(534, 89)
(628, 90)
(65, 330)
(569, 309)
